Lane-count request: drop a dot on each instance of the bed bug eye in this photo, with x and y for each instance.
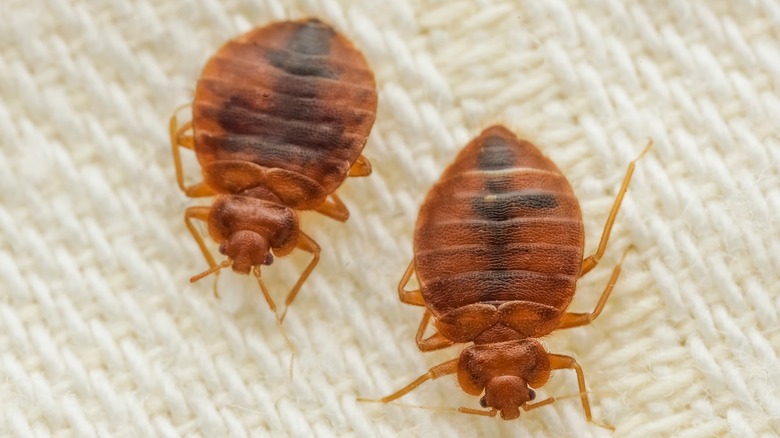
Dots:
(483, 402)
(531, 395)
(269, 258)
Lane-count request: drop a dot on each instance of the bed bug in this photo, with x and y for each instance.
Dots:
(498, 251)
(279, 119)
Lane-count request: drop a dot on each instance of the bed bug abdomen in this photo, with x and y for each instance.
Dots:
(296, 97)
(502, 225)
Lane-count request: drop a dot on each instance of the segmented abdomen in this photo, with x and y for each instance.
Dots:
(291, 95)
(502, 224)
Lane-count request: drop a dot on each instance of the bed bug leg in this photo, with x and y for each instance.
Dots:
(413, 297)
(174, 131)
(435, 342)
(442, 369)
(334, 209)
(178, 139)
(201, 213)
(307, 244)
(361, 167)
(571, 319)
(272, 306)
(562, 362)
(490, 413)
(185, 141)
(591, 261)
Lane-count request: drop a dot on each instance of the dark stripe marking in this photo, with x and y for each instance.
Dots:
(308, 40)
(527, 246)
(267, 150)
(502, 276)
(236, 116)
(504, 207)
(496, 153)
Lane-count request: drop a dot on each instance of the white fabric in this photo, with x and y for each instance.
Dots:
(102, 335)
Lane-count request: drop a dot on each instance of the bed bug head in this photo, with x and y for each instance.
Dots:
(250, 232)
(507, 394)
(246, 249)
(505, 372)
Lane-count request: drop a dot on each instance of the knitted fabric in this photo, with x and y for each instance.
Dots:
(101, 333)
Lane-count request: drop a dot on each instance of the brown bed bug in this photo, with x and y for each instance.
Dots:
(498, 251)
(279, 119)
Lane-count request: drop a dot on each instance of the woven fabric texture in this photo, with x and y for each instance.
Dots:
(101, 334)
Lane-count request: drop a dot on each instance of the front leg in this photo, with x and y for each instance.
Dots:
(562, 362)
(442, 369)
(202, 214)
(307, 244)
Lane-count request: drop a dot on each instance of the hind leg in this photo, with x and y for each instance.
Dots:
(590, 262)
(571, 319)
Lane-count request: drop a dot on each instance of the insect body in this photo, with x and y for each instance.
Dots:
(498, 251)
(280, 117)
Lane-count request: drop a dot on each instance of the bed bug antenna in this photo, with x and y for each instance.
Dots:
(210, 271)
(464, 410)
(490, 413)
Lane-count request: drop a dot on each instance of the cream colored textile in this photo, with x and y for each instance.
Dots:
(102, 335)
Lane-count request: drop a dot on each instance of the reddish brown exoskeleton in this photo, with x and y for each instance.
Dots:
(279, 120)
(498, 251)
